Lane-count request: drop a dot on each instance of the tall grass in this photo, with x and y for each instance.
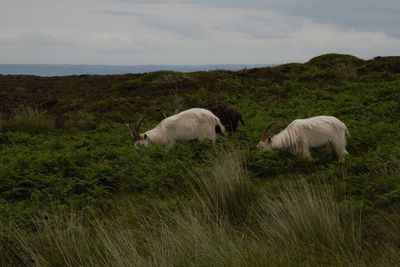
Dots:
(226, 191)
(345, 71)
(29, 120)
(224, 223)
(307, 223)
(81, 120)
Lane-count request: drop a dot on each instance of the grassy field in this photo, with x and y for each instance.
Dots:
(75, 191)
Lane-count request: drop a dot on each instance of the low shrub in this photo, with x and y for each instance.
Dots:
(128, 85)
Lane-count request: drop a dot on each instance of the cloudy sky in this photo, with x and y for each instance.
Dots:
(132, 32)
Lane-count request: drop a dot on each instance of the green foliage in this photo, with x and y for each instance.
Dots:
(81, 120)
(149, 79)
(128, 85)
(307, 221)
(382, 64)
(226, 192)
(301, 224)
(29, 120)
(329, 60)
(243, 201)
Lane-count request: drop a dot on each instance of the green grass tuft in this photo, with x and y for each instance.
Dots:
(225, 191)
(29, 120)
(81, 120)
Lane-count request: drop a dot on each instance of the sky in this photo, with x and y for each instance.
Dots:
(188, 32)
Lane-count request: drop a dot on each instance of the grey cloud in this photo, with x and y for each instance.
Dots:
(121, 13)
(264, 27)
(32, 38)
(363, 15)
(188, 29)
(252, 26)
(373, 15)
(194, 32)
(358, 14)
(185, 30)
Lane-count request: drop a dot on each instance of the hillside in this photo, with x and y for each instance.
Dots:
(66, 161)
(48, 70)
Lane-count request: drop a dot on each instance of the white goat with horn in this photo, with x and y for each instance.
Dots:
(302, 134)
(194, 123)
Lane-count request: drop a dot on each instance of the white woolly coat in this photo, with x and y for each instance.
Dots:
(302, 134)
(194, 123)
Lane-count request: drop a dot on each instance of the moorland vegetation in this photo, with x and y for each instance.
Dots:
(75, 191)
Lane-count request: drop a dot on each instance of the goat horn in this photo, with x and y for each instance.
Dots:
(161, 113)
(130, 132)
(180, 104)
(136, 130)
(267, 129)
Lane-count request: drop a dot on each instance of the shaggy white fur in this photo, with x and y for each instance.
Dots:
(302, 134)
(194, 123)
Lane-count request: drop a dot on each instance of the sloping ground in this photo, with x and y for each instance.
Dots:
(63, 94)
(85, 159)
(381, 64)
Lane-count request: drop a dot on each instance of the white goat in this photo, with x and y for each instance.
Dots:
(302, 134)
(195, 123)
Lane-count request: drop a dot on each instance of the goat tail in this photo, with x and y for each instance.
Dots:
(240, 119)
(219, 124)
(346, 131)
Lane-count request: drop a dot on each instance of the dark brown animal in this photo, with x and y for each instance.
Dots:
(227, 114)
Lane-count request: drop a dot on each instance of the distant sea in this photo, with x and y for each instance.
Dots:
(64, 70)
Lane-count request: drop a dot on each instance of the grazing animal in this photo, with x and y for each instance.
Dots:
(302, 134)
(227, 114)
(194, 123)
